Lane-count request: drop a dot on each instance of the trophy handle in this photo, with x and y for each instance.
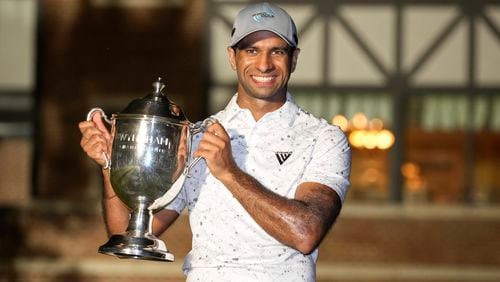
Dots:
(193, 130)
(90, 116)
(177, 185)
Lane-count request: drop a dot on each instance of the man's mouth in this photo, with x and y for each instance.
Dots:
(263, 79)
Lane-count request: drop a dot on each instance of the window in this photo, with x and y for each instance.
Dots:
(422, 75)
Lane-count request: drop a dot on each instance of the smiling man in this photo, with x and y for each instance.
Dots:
(263, 63)
(274, 177)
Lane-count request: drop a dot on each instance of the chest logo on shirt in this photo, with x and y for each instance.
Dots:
(283, 156)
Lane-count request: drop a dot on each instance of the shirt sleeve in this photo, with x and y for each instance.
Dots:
(331, 161)
(179, 202)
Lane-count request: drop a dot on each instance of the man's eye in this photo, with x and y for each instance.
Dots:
(251, 51)
(279, 52)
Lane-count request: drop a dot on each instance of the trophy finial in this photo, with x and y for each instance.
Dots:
(158, 86)
(155, 103)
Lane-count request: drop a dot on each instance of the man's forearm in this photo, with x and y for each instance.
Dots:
(294, 222)
(115, 213)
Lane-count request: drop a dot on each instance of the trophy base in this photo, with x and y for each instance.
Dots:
(145, 248)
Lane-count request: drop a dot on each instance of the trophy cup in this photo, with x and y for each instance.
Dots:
(148, 165)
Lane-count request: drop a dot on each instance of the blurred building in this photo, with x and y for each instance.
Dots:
(415, 85)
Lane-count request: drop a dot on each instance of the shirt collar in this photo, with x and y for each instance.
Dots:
(285, 114)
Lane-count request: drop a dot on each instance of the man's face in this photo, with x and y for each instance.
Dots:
(263, 62)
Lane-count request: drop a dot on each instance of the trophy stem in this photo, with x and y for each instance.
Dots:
(138, 241)
(141, 221)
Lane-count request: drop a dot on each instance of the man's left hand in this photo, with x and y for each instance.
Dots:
(215, 148)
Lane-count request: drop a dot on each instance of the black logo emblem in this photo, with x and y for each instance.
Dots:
(283, 156)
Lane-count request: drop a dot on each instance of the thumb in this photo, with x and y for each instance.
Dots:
(97, 119)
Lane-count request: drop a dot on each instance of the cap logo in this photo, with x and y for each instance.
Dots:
(259, 16)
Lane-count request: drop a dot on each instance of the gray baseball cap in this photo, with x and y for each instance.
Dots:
(264, 16)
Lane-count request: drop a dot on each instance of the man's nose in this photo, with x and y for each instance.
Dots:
(264, 62)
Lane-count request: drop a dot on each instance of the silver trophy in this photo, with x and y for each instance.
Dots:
(148, 165)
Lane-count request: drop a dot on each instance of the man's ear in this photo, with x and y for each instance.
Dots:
(232, 57)
(295, 57)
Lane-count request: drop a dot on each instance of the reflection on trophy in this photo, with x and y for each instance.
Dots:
(148, 165)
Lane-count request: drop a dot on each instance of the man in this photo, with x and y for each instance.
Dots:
(274, 176)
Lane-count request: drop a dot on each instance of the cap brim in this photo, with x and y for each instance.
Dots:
(237, 40)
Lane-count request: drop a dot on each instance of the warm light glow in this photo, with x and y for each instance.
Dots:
(371, 175)
(414, 180)
(356, 138)
(376, 124)
(370, 141)
(341, 121)
(385, 139)
(364, 133)
(410, 170)
(359, 121)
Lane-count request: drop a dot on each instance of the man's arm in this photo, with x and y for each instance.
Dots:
(115, 212)
(300, 223)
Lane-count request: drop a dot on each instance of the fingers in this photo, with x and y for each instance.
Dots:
(96, 152)
(215, 144)
(90, 131)
(210, 147)
(217, 130)
(214, 139)
(94, 141)
(215, 148)
(97, 119)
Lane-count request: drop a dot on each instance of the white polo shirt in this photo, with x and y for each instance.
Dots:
(282, 150)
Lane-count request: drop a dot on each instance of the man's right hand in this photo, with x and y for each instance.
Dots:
(96, 139)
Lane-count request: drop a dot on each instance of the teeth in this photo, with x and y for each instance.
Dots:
(263, 78)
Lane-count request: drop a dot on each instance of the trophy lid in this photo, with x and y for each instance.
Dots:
(156, 104)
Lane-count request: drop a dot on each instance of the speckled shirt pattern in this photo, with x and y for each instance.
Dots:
(282, 150)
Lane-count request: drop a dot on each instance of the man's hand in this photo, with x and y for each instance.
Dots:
(215, 148)
(96, 139)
